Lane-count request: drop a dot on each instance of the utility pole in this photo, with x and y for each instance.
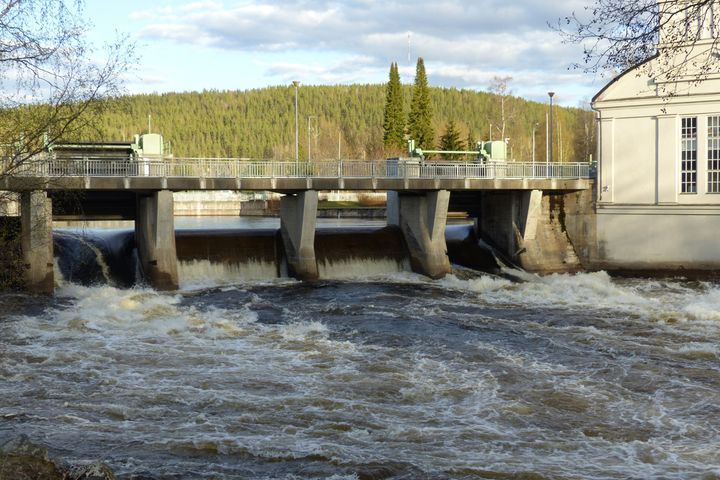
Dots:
(296, 84)
(550, 157)
(547, 141)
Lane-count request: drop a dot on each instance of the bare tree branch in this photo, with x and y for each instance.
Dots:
(51, 84)
(619, 34)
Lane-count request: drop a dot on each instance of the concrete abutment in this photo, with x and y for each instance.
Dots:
(298, 217)
(422, 218)
(155, 239)
(528, 226)
(36, 241)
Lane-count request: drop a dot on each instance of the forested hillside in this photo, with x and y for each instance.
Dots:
(344, 120)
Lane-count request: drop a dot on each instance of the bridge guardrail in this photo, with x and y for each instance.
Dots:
(236, 168)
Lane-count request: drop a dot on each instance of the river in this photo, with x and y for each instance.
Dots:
(390, 376)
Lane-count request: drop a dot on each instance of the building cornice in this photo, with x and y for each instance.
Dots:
(657, 101)
(655, 209)
(614, 80)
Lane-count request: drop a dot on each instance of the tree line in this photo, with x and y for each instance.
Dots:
(341, 121)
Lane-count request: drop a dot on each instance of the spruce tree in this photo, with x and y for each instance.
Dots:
(420, 119)
(451, 141)
(394, 124)
(471, 141)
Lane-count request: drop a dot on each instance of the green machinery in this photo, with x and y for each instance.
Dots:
(486, 151)
(146, 145)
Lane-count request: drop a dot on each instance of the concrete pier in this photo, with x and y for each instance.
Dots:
(528, 228)
(422, 219)
(36, 241)
(155, 239)
(298, 216)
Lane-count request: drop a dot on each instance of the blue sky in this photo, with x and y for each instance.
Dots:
(189, 45)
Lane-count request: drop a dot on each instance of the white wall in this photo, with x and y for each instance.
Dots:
(643, 219)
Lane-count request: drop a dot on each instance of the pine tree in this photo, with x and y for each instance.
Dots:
(394, 124)
(420, 119)
(471, 141)
(451, 141)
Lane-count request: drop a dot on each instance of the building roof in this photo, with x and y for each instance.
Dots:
(618, 77)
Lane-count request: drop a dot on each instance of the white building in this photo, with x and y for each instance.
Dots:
(658, 203)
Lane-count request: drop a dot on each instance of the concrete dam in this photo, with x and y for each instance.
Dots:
(227, 255)
(535, 214)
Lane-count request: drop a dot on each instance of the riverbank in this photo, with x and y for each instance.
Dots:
(21, 459)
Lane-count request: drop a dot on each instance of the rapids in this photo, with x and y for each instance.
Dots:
(388, 376)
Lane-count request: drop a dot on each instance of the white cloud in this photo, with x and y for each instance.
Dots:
(349, 70)
(461, 41)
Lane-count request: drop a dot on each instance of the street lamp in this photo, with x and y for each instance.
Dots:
(550, 129)
(296, 84)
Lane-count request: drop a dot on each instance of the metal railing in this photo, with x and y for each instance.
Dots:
(242, 168)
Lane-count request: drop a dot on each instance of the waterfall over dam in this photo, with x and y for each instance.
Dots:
(223, 256)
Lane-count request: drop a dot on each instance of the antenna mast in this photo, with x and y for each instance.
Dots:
(408, 50)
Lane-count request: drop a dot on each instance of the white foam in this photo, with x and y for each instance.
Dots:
(700, 350)
(204, 273)
(660, 301)
(484, 283)
(143, 312)
(58, 277)
(348, 268)
(304, 331)
(705, 307)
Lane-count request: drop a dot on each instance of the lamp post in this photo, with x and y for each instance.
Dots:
(550, 129)
(535, 125)
(296, 84)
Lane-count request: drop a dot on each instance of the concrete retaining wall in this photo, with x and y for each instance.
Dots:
(657, 238)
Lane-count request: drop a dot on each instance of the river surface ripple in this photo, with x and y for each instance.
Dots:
(561, 377)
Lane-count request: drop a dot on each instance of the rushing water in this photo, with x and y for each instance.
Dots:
(397, 376)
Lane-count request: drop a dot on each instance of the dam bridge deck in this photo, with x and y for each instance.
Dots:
(508, 197)
(178, 174)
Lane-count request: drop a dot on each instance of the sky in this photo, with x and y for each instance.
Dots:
(193, 45)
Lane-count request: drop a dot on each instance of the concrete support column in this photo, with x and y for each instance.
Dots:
(155, 239)
(36, 241)
(298, 216)
(528, 228)
(392, 208)
(510, 219)
(422, 219)
(530, 213)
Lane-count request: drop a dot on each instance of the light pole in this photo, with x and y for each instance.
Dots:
(535, 125)
(296, 84)
(550, 128)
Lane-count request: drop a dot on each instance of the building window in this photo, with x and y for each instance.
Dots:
(713, 154)
(688, 155)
